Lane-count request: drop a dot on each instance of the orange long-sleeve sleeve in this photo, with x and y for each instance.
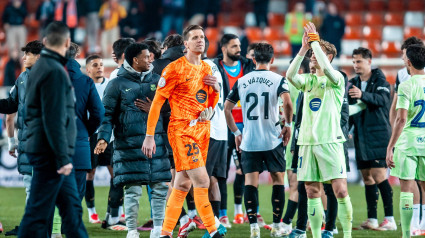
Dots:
(154, 113)
(213, 98)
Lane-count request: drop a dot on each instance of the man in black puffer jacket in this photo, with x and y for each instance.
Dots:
(131, 167)
(372, 132)
(16, 103)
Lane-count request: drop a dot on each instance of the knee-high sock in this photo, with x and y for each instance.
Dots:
(238, 188)
(222, 184)
(57, 222)
(387, 197)
(173, 210)
(251, 203)
(315, 215)
(332, 207)
(204, 208)
(406, 212)
(345, 215)
(278, 202)
(372, 197)
(302, 207)
(89, 194)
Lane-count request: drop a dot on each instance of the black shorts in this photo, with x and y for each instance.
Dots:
(103, 159)
(274, 160)
(367, 164)
(217, 158)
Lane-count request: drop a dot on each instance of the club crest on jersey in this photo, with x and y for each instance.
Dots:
(195, 159)
(153, 87)
(161, 82)
(315, 104)
(201, 96)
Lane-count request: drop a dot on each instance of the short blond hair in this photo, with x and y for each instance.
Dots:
(328, 48)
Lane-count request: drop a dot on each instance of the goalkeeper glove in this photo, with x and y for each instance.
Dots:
(206, 115)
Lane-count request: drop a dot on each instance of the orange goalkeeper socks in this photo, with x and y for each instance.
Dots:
(173, 210)
(204, 208)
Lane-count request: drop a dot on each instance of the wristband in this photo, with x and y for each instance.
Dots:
(313, 37)
(288, 124)
(11, 140)
(237, 133)
(149, 135)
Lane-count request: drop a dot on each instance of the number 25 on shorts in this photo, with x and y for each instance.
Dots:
(193, 149)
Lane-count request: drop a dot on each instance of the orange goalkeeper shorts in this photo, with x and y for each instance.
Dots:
(190, 145)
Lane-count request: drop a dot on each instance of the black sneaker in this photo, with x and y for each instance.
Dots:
(13, 232)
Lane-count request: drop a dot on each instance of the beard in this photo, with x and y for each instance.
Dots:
(234, 57)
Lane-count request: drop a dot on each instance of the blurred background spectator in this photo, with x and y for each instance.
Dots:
(13, 22)
(130, 26)
(294, 26)
(261, 8)
(45, 14)
(333, 27)
(66, 12)
(172, 16)
(91, 11)
(110, 13)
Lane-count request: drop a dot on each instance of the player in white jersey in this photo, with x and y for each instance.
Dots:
(408, 135)
(417, 223)
(321, 154)
(95, 70)
(261, 141)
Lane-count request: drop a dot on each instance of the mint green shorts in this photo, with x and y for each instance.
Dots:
(321, 163)
(408, 167)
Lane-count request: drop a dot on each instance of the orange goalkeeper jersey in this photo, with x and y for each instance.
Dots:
(181, 82)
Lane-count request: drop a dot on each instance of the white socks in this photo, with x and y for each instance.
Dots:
(91, 211)
(415, 218)
(191, 213)
(238, 209)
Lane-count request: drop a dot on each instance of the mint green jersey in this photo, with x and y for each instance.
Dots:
(411, 96)
(293, 92)
(322, 110)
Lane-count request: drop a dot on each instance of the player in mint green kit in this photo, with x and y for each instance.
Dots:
(408, 135)
(321, 155)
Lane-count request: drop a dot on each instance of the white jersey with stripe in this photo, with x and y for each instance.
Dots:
(218, 122)
(258, 92)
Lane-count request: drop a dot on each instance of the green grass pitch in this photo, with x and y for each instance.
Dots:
(12, 208)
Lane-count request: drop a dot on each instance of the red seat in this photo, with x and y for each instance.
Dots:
(374, 46)
(212, 33)
(390, 75)
(415, 5)
(273, 33)
(254, 34)
(281, 48)
(276, 19)
(372, 33)
(413, 31)
(395, 6)
(395, 19)
(356, 6)
(354, 19)
(212, 49)
(391, 48)
(375, 18)
(353, 33)
(377, 5)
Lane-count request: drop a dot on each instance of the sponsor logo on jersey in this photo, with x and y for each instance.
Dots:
(153, 87)
(201, 96)
(161, 82)
(420, 139)
(315, 104)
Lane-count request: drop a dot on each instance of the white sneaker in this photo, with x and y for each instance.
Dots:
(255, 232)
(387, 225)
(155, 233)
(133, 234)
(286, 228)
(370, 224)
(276, 230)
(260, 221)
(335, 232)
